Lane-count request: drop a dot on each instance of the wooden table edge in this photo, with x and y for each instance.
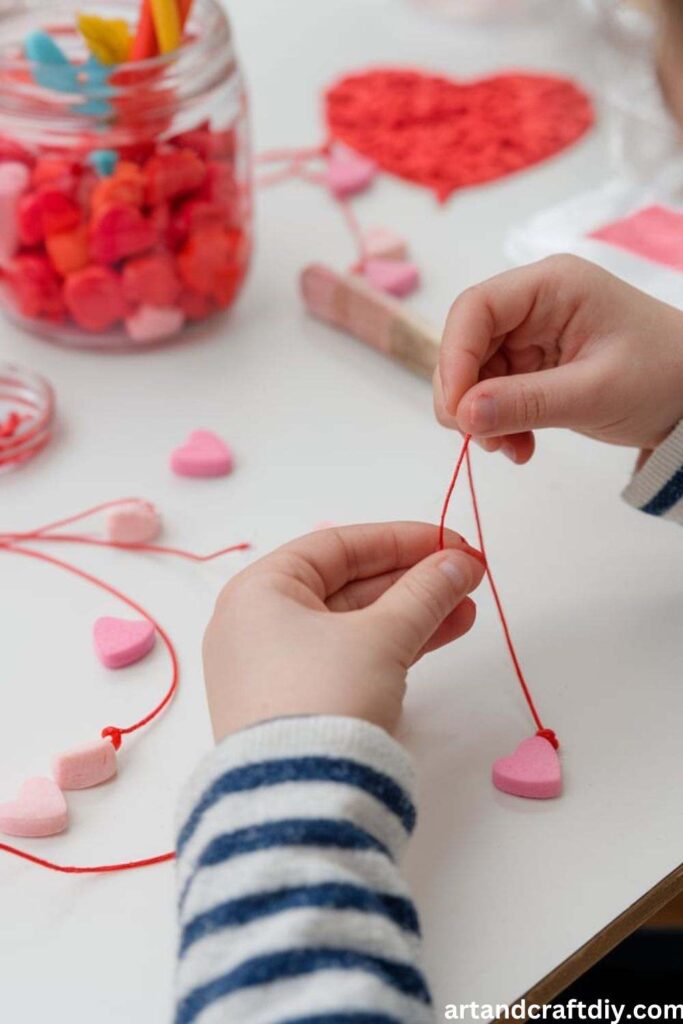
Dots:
(603, 941)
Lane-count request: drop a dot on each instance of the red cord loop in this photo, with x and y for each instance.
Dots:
(114, 734)
(464, 456)
(550, 736)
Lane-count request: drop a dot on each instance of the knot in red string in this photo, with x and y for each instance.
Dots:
(550, 736)
(114, 734)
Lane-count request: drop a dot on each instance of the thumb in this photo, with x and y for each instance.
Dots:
(566, 396)
(416, 605)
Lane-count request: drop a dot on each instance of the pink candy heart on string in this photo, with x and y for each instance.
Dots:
(121, 642)
(39, 810)
(136, 523)
(382, 244)
(396, 277)
(85, 766)
(348, 173)
(533, 770)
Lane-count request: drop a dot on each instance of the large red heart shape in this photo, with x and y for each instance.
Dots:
(446, 134)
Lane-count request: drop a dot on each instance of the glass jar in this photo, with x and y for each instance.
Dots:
(125, 191)
(27, 411)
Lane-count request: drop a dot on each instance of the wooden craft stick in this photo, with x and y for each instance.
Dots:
(347, 302)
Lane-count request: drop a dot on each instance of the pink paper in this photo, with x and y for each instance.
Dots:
(655, 233)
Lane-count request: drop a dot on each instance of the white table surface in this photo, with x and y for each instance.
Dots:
(325, 429)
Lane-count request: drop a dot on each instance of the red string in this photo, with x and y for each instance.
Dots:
(451, 488)
(296, 161)
(464, 456)
(113, 732)
(95, 869)
(75, 538)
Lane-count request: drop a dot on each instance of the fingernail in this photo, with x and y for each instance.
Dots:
(449, 567)
(484, 415)
(445, 394)
(509, 450)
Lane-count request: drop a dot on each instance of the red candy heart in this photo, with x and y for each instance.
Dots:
(94, 298)
(119, 231)
(445, 134)
(152, 280)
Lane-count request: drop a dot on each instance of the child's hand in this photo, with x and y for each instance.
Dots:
(331, 623)
(560, 343)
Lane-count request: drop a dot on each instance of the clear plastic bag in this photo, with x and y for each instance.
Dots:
(566, 228)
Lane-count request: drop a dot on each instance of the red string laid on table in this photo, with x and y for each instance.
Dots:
(532, 770)
(9, 544)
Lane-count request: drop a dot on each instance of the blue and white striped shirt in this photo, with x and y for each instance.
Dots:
(657, 488)
(292, 906)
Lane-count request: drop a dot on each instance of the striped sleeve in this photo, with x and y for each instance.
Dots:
(292, 907)
(657, 488)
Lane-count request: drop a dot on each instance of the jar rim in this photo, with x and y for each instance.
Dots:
(206, 57)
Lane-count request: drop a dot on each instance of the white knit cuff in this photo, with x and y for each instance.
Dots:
(657, 488)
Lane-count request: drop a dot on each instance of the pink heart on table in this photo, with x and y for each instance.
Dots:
(85, 766)
(204, 454)
(349, 172)
(382, 244)
(396, 277)
(533, 770)
(136, 523)
(14, 178)
(120, 642)
(39, 810)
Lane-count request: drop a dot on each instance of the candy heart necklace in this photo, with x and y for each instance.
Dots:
(533, 770)
(40, 808)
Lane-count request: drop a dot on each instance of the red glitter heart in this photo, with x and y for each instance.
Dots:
(445, 134)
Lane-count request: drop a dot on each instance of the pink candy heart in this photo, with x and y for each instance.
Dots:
(39, 810)
(533, 770)
(397, 277)
(14, 177)
(136, 523)
(382, 244)
(85, 766)
(152, 323)
(348, 172)
(204, 454)
(120, 642)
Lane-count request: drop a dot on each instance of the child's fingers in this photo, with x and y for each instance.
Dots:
(362, 593)
(566, 396)
(517, 447)
(477, 324)
(414, 608)
(455, 625)
(526, 309)
(325, 561)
